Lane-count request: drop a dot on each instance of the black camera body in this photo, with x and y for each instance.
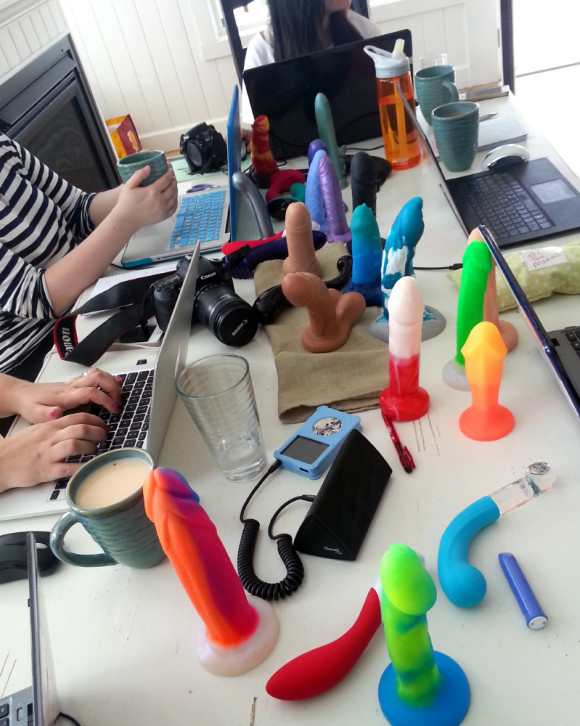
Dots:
(204, 149)
(216, 305)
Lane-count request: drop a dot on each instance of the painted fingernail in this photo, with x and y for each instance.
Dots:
(52, 413)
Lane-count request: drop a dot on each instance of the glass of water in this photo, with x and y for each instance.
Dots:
(218, 394)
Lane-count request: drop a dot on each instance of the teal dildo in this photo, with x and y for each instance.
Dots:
(367, 254)
(420, 686)
(474, 275)
(325, 126)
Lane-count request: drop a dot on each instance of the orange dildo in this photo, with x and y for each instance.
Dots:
(507, 331)
(262, 158)
(301, 253)
(237, 635)
(484, 353)
(332, 314)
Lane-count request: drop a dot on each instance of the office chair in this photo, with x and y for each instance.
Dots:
(238, 51)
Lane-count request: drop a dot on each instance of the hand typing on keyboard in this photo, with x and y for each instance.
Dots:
(54, 447)
(38, 402)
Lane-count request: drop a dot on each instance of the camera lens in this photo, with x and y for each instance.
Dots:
(195, 156)
(232, 320)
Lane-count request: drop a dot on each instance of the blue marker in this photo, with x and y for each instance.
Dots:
(530, 607)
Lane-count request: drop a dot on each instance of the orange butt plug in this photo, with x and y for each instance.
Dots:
(240, 630)
(332, 314)
(301, 253)
(484, 352)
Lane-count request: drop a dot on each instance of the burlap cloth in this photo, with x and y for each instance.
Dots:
(349, 379)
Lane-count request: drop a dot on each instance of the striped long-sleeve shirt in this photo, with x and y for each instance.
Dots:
(42, 217)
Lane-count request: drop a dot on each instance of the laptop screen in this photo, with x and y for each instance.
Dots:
(234, 143)
(44, 708)
(543, 338)
(285, 93)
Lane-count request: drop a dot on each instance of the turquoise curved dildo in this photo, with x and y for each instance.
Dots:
(463, 583)
(420, 686)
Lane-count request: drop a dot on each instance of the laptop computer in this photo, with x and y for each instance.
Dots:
(208, 217)
(526, 202)
(37, 704)
(149, 397)
(560, 348)
(285, 93)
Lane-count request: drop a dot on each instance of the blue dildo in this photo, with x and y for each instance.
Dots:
(367, 252)
(405, 233)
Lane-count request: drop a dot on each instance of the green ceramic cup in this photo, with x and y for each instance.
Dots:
(456, 128)
(106, 497)
(434, 86)
(128, 165)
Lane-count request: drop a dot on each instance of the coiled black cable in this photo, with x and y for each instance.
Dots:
(245, 562)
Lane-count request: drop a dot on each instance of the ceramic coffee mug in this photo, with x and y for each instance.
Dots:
(456, 128)
(106, 497)
(435, 86)
(128, 165)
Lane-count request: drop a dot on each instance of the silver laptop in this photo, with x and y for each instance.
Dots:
(560, 348)
(208, 217)
(37, 704)
(152, 418)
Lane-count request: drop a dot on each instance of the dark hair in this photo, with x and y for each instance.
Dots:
(297, 27)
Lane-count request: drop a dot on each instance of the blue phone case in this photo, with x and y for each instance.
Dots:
(312, 449)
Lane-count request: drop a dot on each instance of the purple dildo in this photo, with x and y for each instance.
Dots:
(314, 146)
(313, 192)
(338, 229)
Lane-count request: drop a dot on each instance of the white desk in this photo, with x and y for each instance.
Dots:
(123, 640)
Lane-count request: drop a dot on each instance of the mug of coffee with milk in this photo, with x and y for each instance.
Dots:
(106, 496)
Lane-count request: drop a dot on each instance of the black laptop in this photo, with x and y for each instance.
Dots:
(523, 203)
(561, 348)
(285, 93)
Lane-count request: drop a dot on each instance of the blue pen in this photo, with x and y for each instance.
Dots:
(530, 607)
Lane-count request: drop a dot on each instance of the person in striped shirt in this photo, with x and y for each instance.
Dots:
(37, 453)
(55, 241)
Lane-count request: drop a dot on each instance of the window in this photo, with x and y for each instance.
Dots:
(250, 19)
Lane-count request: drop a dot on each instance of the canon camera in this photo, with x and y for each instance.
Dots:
(216, 305)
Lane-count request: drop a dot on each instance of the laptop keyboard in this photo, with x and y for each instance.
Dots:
(199, 218)
(503, 204)
(573, 335)
(128, 428)
(7, 718)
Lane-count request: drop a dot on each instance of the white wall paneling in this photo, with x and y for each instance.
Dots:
(26, 28)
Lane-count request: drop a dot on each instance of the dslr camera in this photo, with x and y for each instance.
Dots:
(216, 305)
(204, 149)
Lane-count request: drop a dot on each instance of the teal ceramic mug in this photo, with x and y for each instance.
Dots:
(106, 496)
(456, 129)
(434, 86)
(128, 165)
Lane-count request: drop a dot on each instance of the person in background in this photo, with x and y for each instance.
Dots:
(37, 453)
(298, 27)
(55, 241)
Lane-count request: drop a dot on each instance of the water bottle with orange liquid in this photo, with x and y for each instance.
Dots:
(400, 137)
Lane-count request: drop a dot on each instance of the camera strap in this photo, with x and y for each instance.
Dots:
(134, 301)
